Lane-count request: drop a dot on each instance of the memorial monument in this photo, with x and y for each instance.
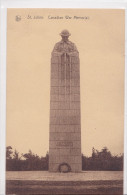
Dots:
(65, 125)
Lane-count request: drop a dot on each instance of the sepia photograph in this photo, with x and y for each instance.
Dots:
(65, 101)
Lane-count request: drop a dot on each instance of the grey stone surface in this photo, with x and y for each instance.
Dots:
(65, 127)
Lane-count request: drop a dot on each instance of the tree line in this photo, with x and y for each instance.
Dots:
(99, 160)
(102, 160)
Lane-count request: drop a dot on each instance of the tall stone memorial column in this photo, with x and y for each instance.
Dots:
(65, 125)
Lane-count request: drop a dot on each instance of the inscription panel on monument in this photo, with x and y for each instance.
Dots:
(64, 144)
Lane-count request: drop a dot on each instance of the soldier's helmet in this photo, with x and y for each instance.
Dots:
(65, 33)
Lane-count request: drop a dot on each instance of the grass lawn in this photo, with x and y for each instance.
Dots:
(114, 187)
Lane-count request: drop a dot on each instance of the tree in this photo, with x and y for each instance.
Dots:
(9, 152)
(33, 161)
(16, 155)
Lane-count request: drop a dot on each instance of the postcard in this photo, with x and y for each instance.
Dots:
(65, 101)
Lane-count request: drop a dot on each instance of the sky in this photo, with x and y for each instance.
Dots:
(99, 37)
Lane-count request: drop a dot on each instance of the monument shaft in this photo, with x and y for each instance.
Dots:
(65, 127)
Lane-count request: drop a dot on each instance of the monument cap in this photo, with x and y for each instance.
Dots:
(65, 33)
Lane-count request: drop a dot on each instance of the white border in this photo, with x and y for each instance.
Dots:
(64, 4)
(125, 111)
(4, 4)
(2, 98)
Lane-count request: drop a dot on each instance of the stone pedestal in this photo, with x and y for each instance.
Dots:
(65, 125)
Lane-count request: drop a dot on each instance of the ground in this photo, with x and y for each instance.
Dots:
(42, 182)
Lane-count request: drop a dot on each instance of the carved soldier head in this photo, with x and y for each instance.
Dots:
(65, 34)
